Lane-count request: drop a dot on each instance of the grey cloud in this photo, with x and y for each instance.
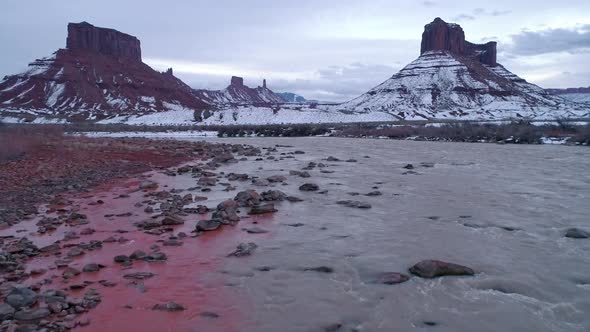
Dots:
(478, 12)
(551, 41)
(428, 3)
(500, 12)
(463, 17)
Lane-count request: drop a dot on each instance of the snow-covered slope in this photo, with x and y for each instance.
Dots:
(442, 85)
(98, 75)
(239, 94)
(577, 97)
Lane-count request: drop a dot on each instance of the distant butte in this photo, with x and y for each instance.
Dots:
(442, 36)
(86, 37)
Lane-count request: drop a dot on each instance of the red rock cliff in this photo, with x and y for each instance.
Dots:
(442, 36)
(237, 81)
(85, 36)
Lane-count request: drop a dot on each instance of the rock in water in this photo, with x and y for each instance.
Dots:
(20, 297)
(244, 249)
(576, 233)
(207, 225)
(309, 187)
(148, 185)
(392, 278)
(262, 209)
(172, 220)
(434, 268)
(92, 267)
(6, 312)
(32, 314)
(138, 275)
(170, 306)
(355, 204)
(322, 269)
(255, 230)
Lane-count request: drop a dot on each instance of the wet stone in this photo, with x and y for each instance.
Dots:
(148, 185)
(170, 306)
(262, 209)
(6, 312)
(92, 267)
(70, 272)
(577, 233)
(255, 230)
(172, 243)
(354, 204)
(392, 278)
(209, 314)
(121, 259)
(276, 178)
(74, 252)
(207, 225)
(309, 187)
(171, 220)
(244, 249)
(302, 174)
(139, 275)
(434, 268)
(20, 297)
(136, 255)
(321, 269)
(32, 314)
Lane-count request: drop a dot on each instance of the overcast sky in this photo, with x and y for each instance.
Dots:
(329, 50)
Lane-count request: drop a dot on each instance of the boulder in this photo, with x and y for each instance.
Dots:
(273, 195)
(262, 209)
(32, 314)
(92, 267)
(576, 233)
(6, 312)
(247, 198)
(354, 204)
(170, 306)
(244, 249)
(144, 185)
(20, 297)
(276, 178)
(171, 220)
(392, 278)
(309, 187)
(435, 268)
(207, 225)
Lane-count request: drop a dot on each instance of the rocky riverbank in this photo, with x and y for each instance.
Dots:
(239, 229)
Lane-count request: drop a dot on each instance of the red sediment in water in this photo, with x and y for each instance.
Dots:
(191, 275)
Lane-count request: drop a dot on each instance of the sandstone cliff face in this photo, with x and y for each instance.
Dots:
(87, 37)
(237, 81)
(442, 36)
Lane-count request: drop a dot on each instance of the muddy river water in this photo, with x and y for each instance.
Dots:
(500, 209)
